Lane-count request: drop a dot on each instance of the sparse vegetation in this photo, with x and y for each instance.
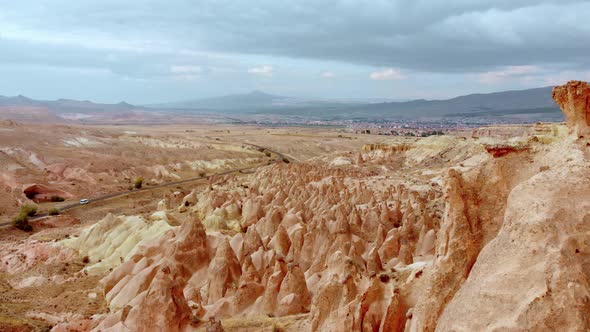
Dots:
(53, 212)
(432, 133)
(22, 219)
(268, 154)
(22, 224)
(138, 183)
(28, 210)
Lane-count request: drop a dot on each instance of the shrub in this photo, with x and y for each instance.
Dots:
(57, 199)
(22, 224)
(28, 210)
(53, 212)
(138, 183)
(432, 133)
(22, 219)
(266, 153)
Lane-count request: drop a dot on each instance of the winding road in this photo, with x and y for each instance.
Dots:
(279, 158)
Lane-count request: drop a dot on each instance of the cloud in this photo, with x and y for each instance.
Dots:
(387, 74)
(327, 74)
(194, 70)
(510, 72)
(264, 70)
(421, 35)
(465, 42)
(186, 72)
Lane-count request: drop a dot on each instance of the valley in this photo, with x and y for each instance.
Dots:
(327, 230)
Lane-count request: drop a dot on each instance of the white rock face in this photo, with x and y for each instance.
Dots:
(340, 161)
(112, 240)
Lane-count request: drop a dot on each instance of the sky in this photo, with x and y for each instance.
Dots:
(157, 51)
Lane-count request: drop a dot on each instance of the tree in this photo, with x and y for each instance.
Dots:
(28, 210)
(138, 183)
(21, 221)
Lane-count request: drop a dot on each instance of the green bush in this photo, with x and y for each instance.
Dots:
(22, 219)
(57, 199)
(28, 210)
(138, 183)
(53, 212)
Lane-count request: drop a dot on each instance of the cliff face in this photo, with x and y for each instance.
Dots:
(574, 100)
(533, 275)
(421, 238)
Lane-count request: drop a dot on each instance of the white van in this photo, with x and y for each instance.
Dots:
(84, 201)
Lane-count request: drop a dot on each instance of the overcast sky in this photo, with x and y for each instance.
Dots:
(155, 51)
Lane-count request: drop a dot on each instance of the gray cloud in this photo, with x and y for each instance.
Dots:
(144, 40)
(420, 35)
(453, 36)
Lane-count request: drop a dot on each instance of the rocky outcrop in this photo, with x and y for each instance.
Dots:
(113, 240)
(500, 150)
(535, 267)
(574, 100)
(44, 193)
(533, 273)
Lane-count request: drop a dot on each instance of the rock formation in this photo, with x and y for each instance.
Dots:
(480, 238)
(574, 100)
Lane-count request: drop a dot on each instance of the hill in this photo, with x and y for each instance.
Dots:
(519, 106)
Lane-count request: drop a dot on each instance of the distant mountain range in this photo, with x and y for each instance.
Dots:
(248, 101)
(527, 101)
(535, 104)
(516, 106)
(66, 105)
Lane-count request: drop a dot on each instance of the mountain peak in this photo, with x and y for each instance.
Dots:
(124, 104)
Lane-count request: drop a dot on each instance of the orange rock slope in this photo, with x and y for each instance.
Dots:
(467, 243)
